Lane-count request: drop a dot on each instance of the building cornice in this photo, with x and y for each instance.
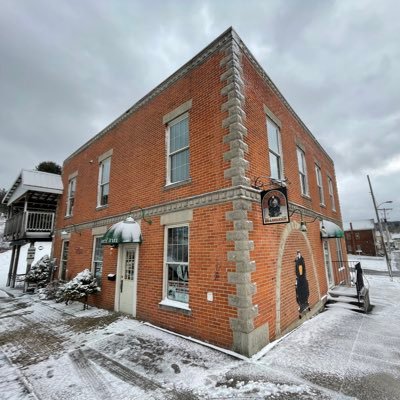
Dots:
(203, 200)
(198, 59)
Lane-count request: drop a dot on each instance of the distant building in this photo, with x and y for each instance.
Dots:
(361, 238)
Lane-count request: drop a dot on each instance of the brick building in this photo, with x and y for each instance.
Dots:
(361, 238)
(188, 162)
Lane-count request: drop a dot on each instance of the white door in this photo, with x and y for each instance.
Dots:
(328, 264)
(127, 279)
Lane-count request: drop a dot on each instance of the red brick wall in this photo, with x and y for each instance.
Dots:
(138, 163)
(267, 238)
(257, 93)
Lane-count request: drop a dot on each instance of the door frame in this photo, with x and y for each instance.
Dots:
(330, 285)
(121, 250)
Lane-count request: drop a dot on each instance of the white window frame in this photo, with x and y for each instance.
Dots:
(271, 151)
(169, 154)
(166, 301)
(320, 186)
(102, 184)
(302, 166)
(71, 196)
(331, 193)
(95, 238)
(62, 258)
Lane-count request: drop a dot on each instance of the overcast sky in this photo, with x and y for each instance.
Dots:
(69, 68)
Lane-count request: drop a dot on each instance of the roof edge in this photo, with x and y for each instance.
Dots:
(199, 58)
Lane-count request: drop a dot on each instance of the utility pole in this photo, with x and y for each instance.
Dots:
(389, 266)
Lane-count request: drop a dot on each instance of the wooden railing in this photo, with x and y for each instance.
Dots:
(29, 222)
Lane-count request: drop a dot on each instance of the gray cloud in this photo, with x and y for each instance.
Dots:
(68, 69)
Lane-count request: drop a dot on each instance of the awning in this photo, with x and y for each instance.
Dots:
(330, 230)
(127, 231)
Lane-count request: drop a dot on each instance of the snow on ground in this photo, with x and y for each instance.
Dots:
(63, 352)
(367, 262)
(42, 248)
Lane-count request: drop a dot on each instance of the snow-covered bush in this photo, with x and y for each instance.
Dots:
(52, 291)
(40, 272)
(78, 288)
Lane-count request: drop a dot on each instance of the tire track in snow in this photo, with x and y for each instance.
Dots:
(89, 375)
(133, 378)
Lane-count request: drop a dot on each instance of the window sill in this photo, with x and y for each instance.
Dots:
(178, 184)
(98, 208)
(306, 196)
(322, 205)
(68, 216)
(176, 306)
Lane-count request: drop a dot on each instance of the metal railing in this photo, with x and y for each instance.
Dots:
(345, 272)
(27, 222)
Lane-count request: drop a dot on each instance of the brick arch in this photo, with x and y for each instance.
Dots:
(292, 226)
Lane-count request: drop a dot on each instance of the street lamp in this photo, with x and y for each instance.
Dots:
(385, 202)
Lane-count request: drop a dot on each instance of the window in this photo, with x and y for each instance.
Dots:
(275, 157)
(177, 263)
(97, 262)
(357, 235)
(301, 159)
(319, 184)
(64, 260)
(178, 149)
(71, 196)
(104, 182)
(331, 196)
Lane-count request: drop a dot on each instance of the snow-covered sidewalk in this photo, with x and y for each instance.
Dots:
(53, 351)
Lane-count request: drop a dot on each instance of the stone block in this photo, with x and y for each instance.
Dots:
(248, 313)
(238, 256)
(237, 235)
(240, 180)
(228, 155)
(250, 343)
(238, 301)
(238, 325)
(246, 289)
(244, 245)
(239, 277)
(246, 266)
(236, 215)
(242, 205)
(243, 225)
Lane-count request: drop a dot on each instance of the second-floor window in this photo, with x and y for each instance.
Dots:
(71, 196)
(275, 153)
(178, 149)
(319, 184)
(301, 160)
(104, 182)
(331, 194)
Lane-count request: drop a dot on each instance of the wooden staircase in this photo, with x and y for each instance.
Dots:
(347, 297)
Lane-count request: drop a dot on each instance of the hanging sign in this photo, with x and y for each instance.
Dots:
(274, 206)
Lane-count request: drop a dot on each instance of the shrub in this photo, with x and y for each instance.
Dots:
(40, 272)
(79, 288)
(51, 291)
